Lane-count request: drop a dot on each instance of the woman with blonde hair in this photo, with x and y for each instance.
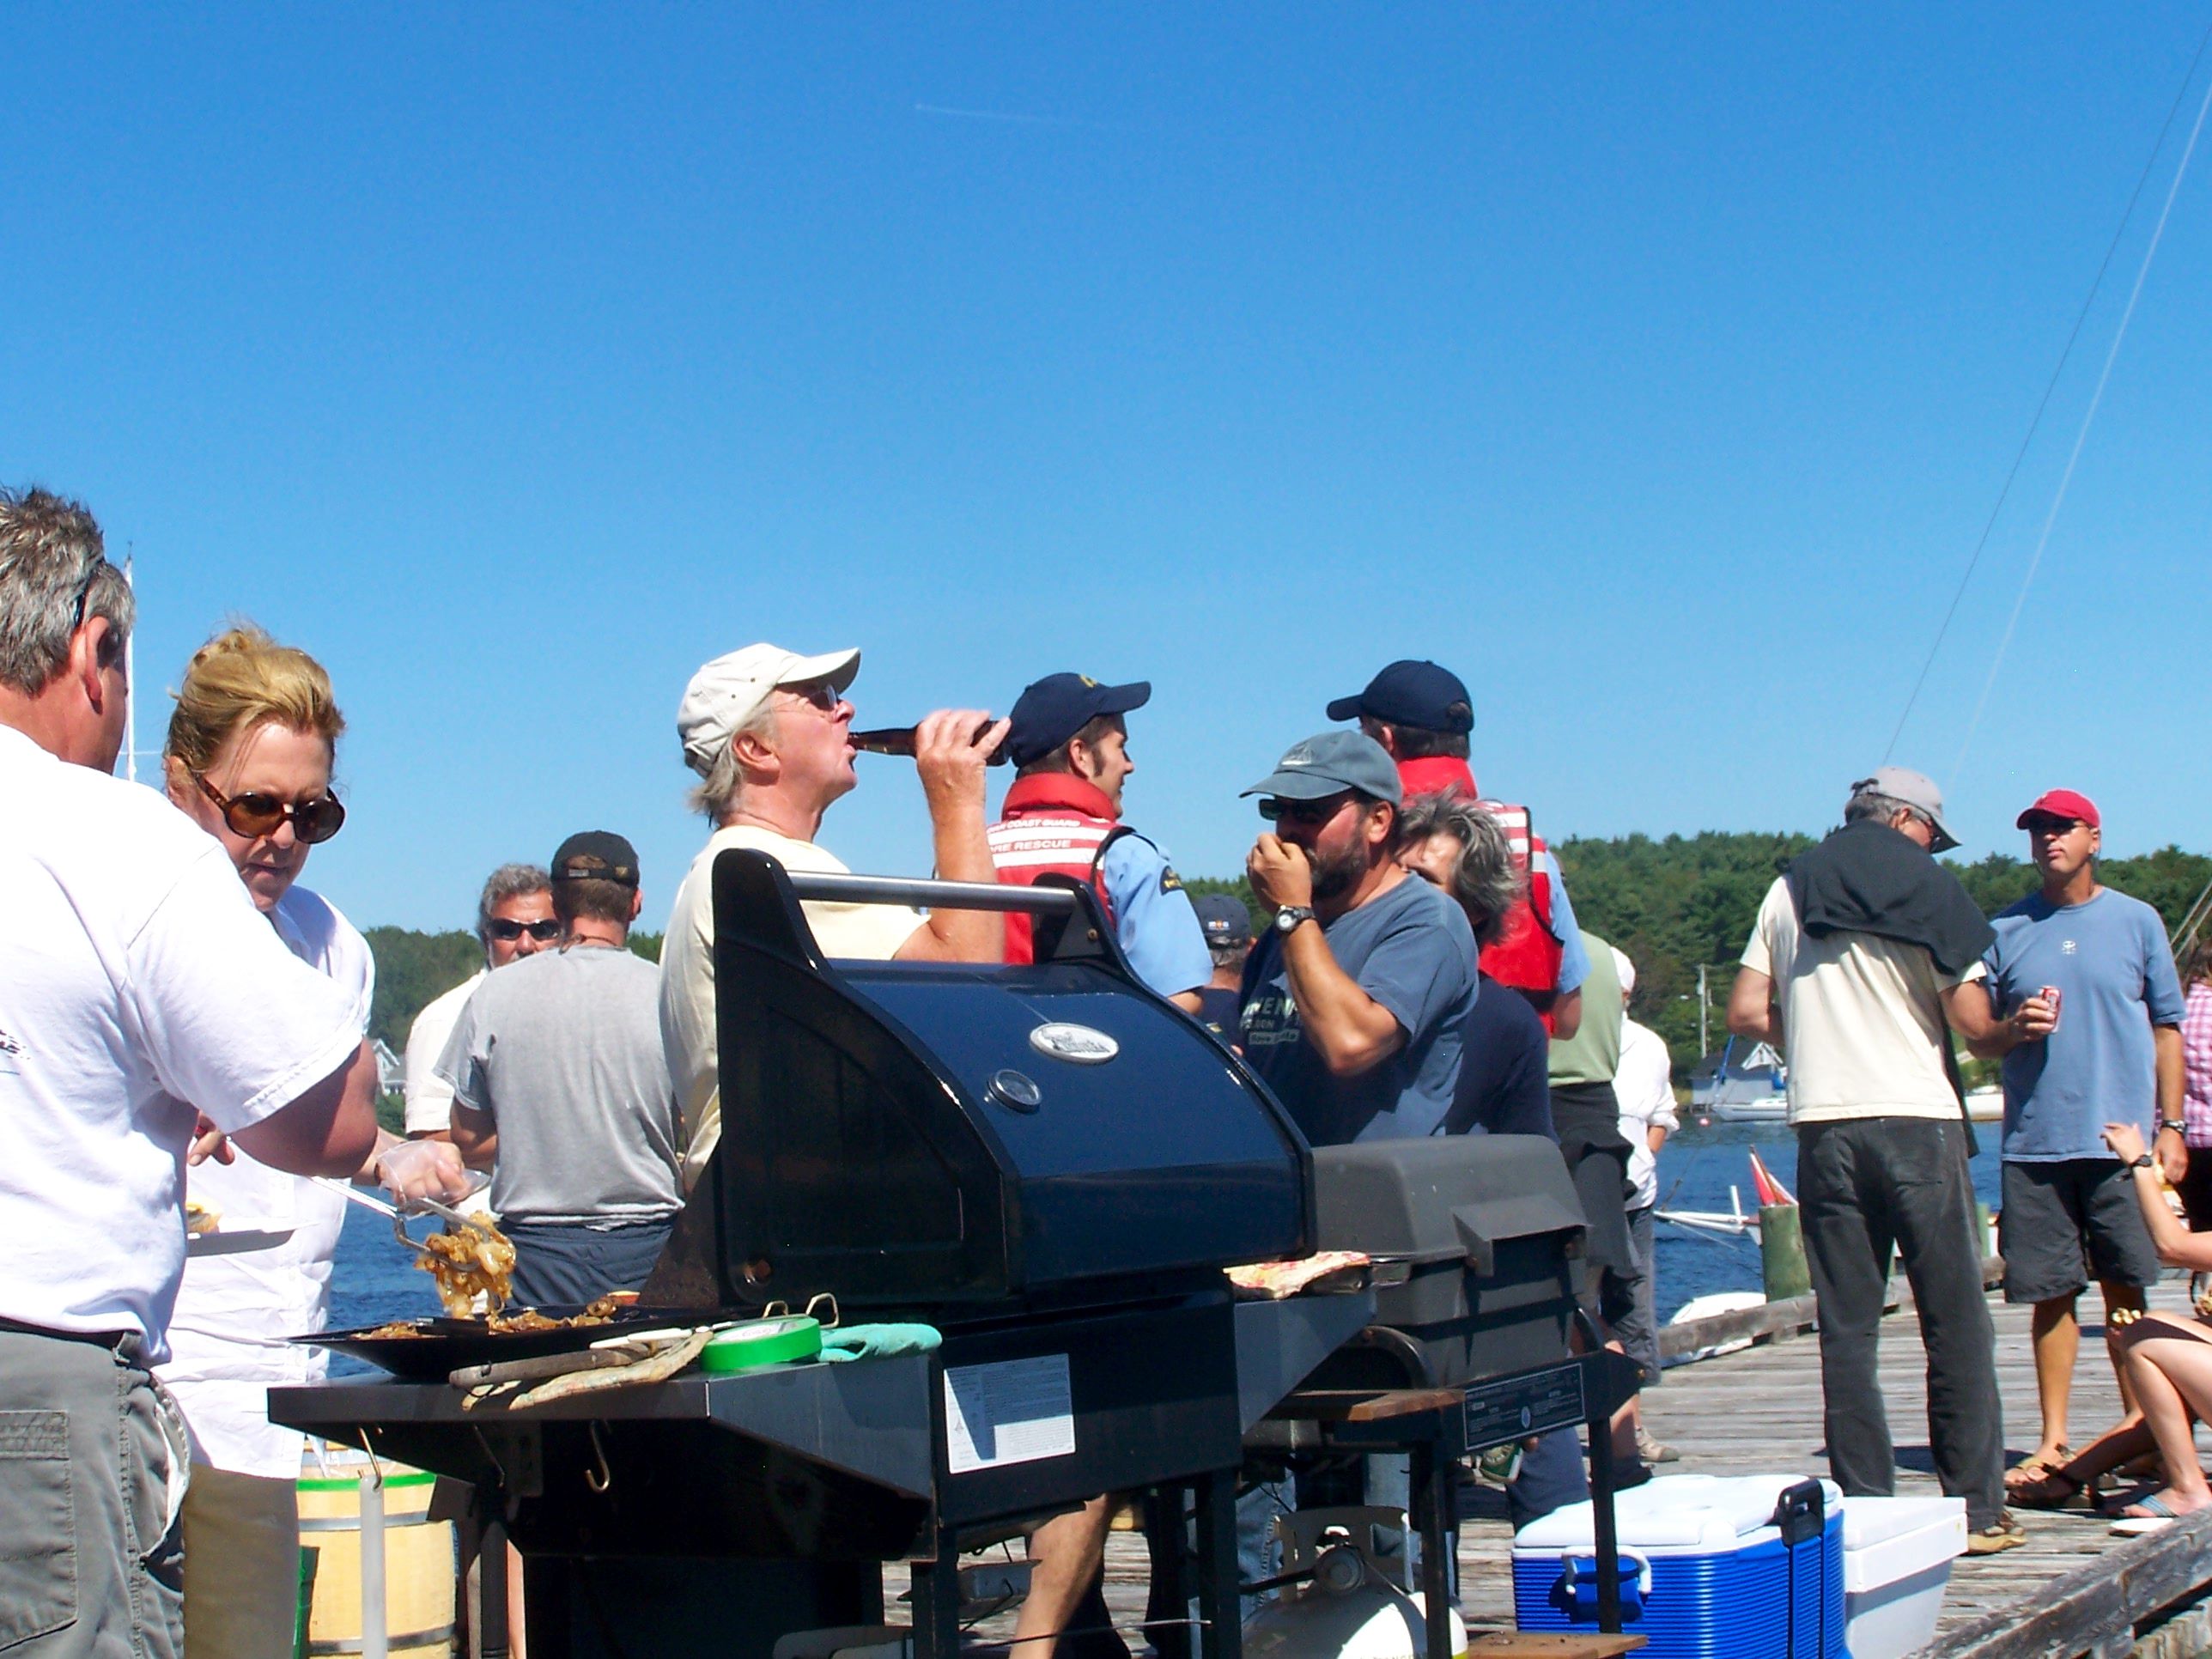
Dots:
(248, 757)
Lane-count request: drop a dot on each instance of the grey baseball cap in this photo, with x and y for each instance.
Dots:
(1917, 790)
(1329, 763)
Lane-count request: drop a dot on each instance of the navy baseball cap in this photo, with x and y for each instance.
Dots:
(1329, 763)
(1224, 917)
(1410, 693)
(596, 855)
(1049, 713)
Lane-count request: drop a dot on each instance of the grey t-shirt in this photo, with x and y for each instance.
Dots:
(1411, 950)
(562, 1051)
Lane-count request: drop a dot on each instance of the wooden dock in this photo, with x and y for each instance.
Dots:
(2074, 1589)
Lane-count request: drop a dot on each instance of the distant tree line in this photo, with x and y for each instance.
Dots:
(1672, 904)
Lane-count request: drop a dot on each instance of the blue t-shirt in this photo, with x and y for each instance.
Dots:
(1504, 1054)
(2114, 971)
(1411, 950)
(1574, 958)
(1217, 1011)
(1158, 930)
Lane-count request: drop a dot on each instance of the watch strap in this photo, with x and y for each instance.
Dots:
(2142, 1163)
(2174, 1124)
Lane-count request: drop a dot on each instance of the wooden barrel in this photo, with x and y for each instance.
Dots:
(418, 1558)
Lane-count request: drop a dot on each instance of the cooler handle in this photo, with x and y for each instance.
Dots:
(1576, 1593)
(1801, 1513)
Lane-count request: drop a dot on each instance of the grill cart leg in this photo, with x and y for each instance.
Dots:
(491, 1584)
(1222, 1635)
(1429, 1495)
(1167, 1610)
(937, 1600)
(1608, 1540)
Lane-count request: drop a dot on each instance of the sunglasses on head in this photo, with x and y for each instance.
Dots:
(253, 813)
(508, 932)
(1309, 813)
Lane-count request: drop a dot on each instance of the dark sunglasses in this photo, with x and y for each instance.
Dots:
(255, 814)
(543, 931)
(823, 695)
(1311, 814)
(2042, 825)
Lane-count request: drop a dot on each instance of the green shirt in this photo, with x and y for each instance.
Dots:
(1592, 1054)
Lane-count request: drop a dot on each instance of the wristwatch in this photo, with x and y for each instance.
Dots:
(2143, 1163)
(2173, 1123)
(1288, 918)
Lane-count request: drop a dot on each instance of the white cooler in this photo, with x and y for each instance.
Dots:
(1897, 1562)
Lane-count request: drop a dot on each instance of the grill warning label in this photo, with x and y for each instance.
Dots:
(1016, 1411)
(1514, 1407)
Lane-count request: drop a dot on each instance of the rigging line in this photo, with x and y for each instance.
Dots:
(2035, 422)
(2088, 419)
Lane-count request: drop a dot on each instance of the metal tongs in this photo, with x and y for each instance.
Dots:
(400, 1213)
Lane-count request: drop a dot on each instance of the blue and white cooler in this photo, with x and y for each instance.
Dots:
(1711, 1567)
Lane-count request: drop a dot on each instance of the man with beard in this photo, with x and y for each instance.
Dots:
(1353, 1001)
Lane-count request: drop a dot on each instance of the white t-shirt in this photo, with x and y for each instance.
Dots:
(1862, 1018)
(871, 932)
(1644, 1085)
(226, 1346)
(135, 975)
(429, 1097)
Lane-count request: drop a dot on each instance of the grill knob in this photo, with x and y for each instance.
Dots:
(1015, 1092)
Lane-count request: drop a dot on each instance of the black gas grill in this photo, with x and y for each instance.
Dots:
(1049, 1164)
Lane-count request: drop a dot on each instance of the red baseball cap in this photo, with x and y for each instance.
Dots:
(2061, 803)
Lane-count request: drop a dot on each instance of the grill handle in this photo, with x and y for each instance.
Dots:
(1038, 900)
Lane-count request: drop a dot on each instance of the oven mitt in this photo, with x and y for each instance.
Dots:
(877, 1341)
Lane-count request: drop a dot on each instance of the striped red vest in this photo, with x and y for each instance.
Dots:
(1055, 823)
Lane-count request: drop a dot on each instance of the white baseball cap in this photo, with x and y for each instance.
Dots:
(1624, 969)
(728, 691)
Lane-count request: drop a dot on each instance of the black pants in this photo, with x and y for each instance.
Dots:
(561, 1264)
(1868, 1185)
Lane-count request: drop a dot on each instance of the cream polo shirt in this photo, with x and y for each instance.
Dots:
(871, 932)
(1862, 1018)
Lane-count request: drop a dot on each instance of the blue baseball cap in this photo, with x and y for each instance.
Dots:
(1224, 917)
(1410, 693)
(1328, 763)
(1050, 712)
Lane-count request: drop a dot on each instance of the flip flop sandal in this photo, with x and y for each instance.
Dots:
(2053, 1489)
(2141, 1526)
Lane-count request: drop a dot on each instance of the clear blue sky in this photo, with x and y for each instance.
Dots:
(1655, 369)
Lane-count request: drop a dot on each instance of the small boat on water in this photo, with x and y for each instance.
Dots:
(1749, 1089)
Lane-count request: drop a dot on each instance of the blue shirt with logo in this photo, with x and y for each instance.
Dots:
(2114, 971)
(1154, 921)
(1411, 950)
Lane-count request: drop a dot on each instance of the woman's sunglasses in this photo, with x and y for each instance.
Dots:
(256, 814)
(544, 932)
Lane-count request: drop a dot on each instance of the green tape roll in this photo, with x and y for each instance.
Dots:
(763, 1342)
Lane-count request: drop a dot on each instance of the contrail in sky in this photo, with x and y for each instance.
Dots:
(1006, 117)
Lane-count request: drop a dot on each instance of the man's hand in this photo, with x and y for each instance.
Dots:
(1280, 872)
(2173, 1156)
(2125, 1140)
(2032, 1021)
(951, 749)
(208, 1142)
(423, 1169)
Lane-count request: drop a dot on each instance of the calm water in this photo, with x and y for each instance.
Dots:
(376, 1280)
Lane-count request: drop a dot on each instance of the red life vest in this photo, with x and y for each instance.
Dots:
(1528, 954)
(1055, 823)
